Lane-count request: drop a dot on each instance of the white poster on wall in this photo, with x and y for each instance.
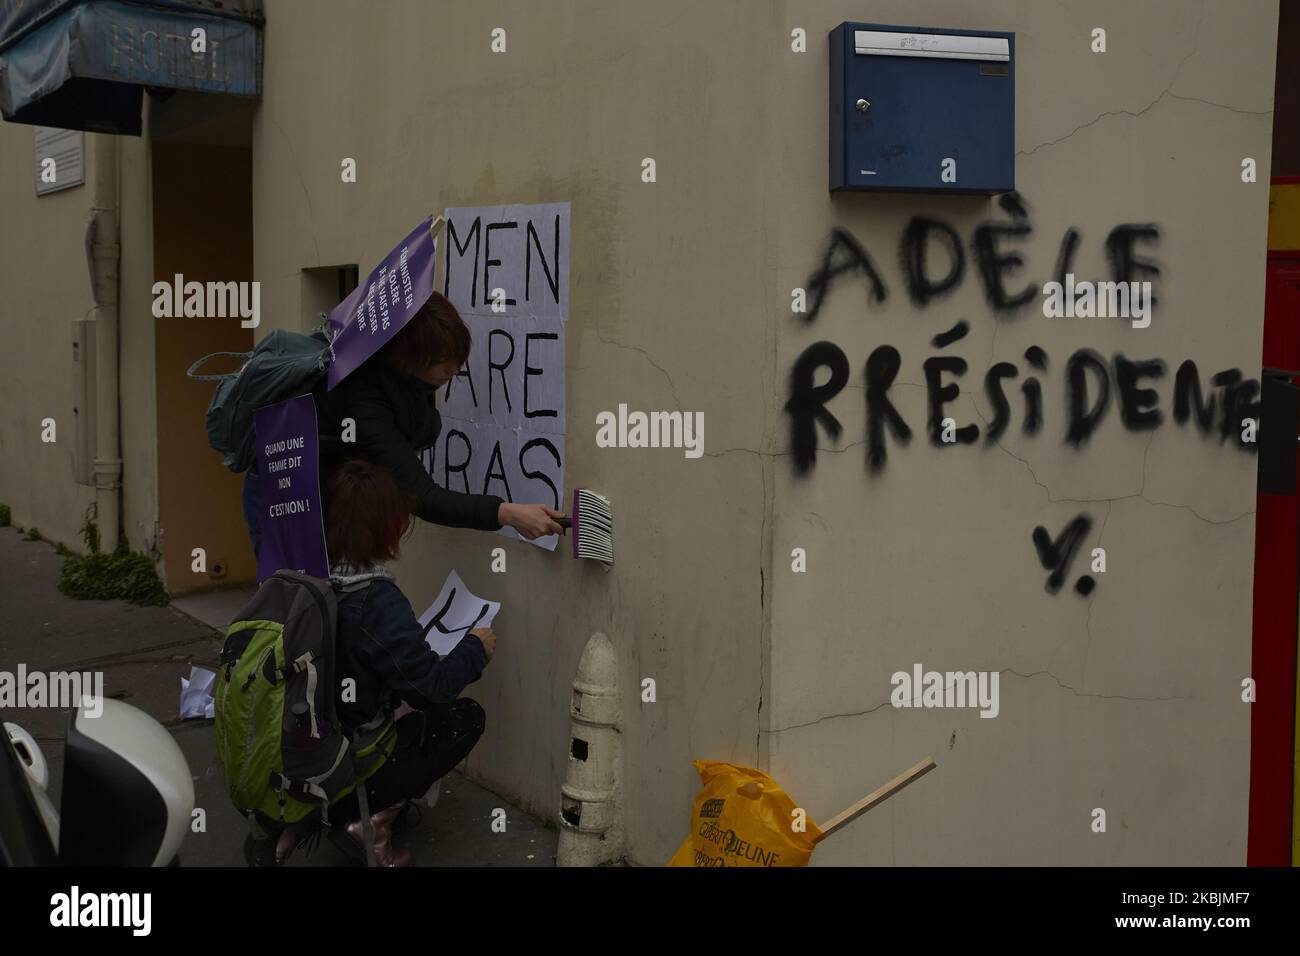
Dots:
(506, 269)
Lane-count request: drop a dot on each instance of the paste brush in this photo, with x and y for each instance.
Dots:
(592, 522)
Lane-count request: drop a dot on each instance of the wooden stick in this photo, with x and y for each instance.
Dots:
(880, 795)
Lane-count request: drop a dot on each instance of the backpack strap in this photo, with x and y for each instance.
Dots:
(367, 827)
(275, 674)
(255, 827)
(245, 356)
(311, 791)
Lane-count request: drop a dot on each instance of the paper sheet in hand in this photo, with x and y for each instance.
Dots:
(454, 613)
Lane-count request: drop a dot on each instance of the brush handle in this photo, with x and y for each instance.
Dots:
(574, 515)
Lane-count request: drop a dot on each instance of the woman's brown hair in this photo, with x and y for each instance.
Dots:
(366, 514)
(436, 333)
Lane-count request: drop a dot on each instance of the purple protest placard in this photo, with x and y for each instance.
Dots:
(288, 466)
(381, 305)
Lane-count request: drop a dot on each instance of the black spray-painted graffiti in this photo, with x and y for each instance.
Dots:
(1057, 556)
(994, 260)
(1092, 382)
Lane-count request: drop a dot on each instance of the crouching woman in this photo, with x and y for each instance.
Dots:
(380, 648)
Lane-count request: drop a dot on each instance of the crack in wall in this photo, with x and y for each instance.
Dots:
(1051, 498)
(1166, 92)
(1006, 670)
(1087, 626)
(644, 354)
(1140, 493)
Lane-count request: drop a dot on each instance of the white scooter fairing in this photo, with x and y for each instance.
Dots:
(127, 793)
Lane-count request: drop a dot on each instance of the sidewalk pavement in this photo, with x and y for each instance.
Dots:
(143, 653)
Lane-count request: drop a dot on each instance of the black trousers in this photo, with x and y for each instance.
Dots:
(429, 744)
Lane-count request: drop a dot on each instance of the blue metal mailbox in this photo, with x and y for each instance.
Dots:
(922, 109)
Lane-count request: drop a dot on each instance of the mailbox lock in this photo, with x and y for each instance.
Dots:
(863, 106)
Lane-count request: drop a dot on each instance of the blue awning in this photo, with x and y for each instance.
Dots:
(82, 64)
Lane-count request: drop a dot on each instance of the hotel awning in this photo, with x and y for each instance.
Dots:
(82, 64)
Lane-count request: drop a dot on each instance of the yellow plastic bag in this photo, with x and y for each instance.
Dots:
(742, 817)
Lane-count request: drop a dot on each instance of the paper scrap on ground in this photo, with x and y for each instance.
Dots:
(453, 614)
(196, 693)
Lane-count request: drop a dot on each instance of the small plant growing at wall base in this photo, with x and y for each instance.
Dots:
(33, 534)
(4, 516)
(105, 577)
(90, 530)
(124, 574)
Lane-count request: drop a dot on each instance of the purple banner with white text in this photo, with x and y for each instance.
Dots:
(288, 465)
(379, 307)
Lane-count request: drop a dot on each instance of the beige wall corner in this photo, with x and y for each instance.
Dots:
(1127, 699)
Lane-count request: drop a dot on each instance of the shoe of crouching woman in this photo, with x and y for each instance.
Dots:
(381, 824)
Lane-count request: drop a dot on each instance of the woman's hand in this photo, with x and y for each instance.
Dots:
(531, 521)
(488, 638)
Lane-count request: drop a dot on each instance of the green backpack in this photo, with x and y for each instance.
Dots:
(283, 365)
(279, 739)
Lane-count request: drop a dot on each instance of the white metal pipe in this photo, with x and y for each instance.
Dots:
(105, 266)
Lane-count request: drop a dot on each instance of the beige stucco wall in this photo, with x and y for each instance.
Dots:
(1128, 700)
(680, 292)
(668, 292)
(40, 237)
(46, 285)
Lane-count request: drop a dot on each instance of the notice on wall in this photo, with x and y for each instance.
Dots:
(288, 465)
(378, 308)
(60, 159)
(507, 273)
(453, 614)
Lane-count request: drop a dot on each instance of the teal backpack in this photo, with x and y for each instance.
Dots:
(283, 365)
